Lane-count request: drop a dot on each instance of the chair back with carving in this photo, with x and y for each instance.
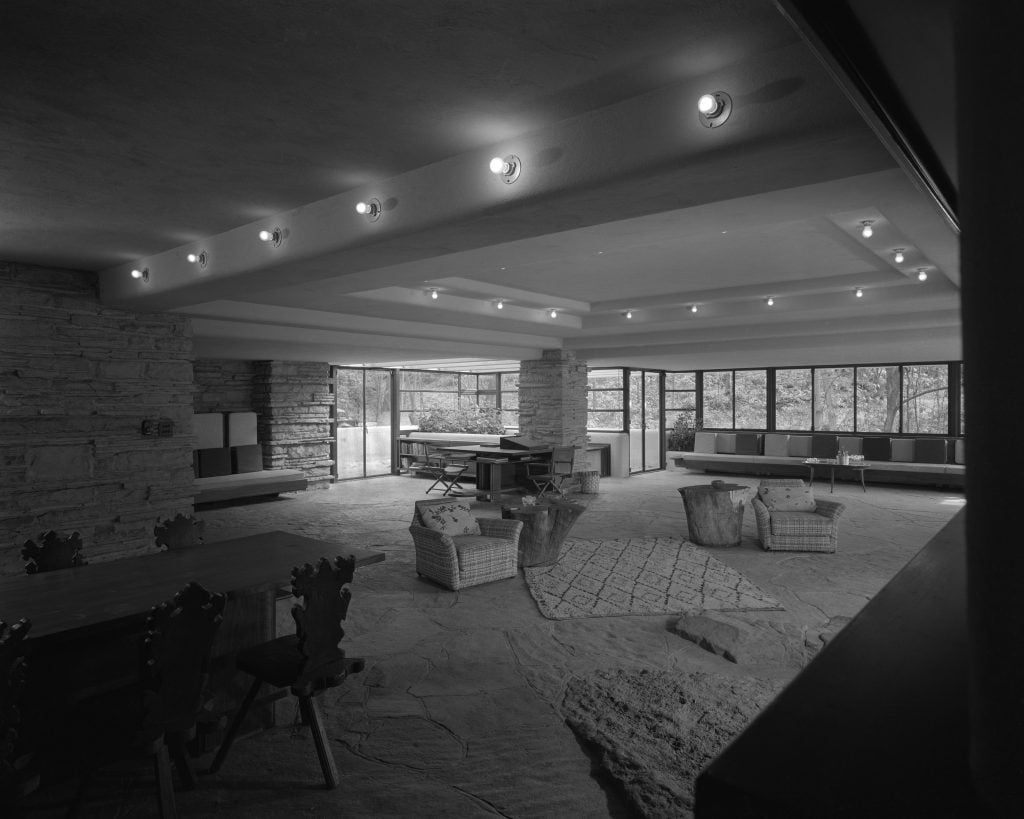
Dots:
(52, 552)
(324, 604)
(179, 532)
(15, 777)
(175, 659)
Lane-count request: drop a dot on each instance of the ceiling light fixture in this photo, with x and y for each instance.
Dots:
(866, 230)
(370, 209)
(433, 292)
(199, 258)
(141, 274)
(858, 293)
(898, 258)
(714, 109)
(500, 304)
(922, 274)
(506, 168)
(628, 314)
(275, 236)
(553, 313)
(770, 301)
(693, 308)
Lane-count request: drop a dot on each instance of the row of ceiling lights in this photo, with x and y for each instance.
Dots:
(712, 110)
(867, 230)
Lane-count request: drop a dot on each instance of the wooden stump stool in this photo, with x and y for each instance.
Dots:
(714, 512)
(545, 526)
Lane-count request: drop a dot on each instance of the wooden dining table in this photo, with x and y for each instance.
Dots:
(97, 596)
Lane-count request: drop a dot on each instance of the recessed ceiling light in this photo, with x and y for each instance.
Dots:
(275, 236)
(693, 308)
(922, 274)
(713, 109)
(199, 258)
(553, 313)
(500, 304)
(898, 257)
(433, 292)
(628, 314)
(769, 301)
(141, 274)
(370, 209)
(858, 293)
(866, 230)
(506, 168)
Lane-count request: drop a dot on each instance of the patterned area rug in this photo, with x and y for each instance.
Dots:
(607, 578)
(655, 731)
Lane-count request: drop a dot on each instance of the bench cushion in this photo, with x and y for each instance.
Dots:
(958, 451)
(800, 446)
(876, 449)
(748, 443)
(903, 449)
(853, 445)
(824, 445)
(247, 458)
(212, 462)
(704, 442)
(726, 443)
(776, 444)
(930, 450)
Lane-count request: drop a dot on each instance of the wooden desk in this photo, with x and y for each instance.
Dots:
(499, 469)
(96, 596)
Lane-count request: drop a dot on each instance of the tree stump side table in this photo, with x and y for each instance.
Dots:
(545, 526)
(714, 512)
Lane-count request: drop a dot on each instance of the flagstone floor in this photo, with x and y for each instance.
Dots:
(458, 710)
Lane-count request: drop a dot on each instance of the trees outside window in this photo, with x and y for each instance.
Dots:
(833, 399)
(751, 399)
(718, 392)
(926, 399)
(793, 399)
(878, 399)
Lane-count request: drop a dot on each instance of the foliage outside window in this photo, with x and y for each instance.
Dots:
(681, 421)
(751, 388)
(926, 399)
(718, 392)
(465, 419)
(605, 400)
(833, 399)
(793, 399)
(878, 399)
(423, 390)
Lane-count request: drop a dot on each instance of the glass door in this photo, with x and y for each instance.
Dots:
(646, 421)
(362, 412)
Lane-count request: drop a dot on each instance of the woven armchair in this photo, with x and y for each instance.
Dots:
(787, 530)
(457, 560)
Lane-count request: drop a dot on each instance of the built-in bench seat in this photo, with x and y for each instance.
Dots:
(928, 461)
(248, 484)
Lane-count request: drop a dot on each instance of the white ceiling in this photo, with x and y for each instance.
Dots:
(139, 132)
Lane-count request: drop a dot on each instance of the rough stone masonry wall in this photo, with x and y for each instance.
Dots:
(76, 381)
(553, 399)
(223, 385)
(294, 401)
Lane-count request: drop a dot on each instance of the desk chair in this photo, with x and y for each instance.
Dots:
(553, 473)
(307, 662)
(156, 717)
(180, 532)
(18, 777)
(446, 470)
(53, 552)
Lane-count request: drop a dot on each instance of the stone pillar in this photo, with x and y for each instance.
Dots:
(990, 67)
(293, 400)
(553, 399)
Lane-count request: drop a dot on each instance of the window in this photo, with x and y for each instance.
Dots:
(751, 388)
(833, 398)
(508, 384)
(878, 399)
(424, 389)
(605, 400)
(793, 399)
(680, 402)
(717, 410)
(926, 399)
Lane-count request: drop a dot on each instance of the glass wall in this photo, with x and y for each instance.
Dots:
(717, 406)
(421, 390)
(362, 412)
(751, 390)
(833, 399)
(606, 400)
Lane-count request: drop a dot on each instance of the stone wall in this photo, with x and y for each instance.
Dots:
(223, 385)
(553, 399)
(294, 402)
(77, 379)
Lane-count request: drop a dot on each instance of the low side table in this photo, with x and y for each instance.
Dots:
(859, 467)
(545, 526)
(714, 512)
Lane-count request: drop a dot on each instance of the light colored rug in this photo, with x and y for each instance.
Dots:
(655, 731)
(607, 578)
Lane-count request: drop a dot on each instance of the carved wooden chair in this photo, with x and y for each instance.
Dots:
(18, 776)
(52, 552)
(179, 532)
(308, 661)
(158, 717)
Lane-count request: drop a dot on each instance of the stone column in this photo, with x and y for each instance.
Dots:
(294, 400)
(553, 399)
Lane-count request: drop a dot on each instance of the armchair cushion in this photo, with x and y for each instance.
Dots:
(787, 498)
(451, 518)
(800, 524)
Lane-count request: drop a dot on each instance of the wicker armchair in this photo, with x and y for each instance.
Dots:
(795, 530)
(448, 555)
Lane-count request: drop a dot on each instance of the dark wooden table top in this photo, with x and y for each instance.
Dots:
(70, 601)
